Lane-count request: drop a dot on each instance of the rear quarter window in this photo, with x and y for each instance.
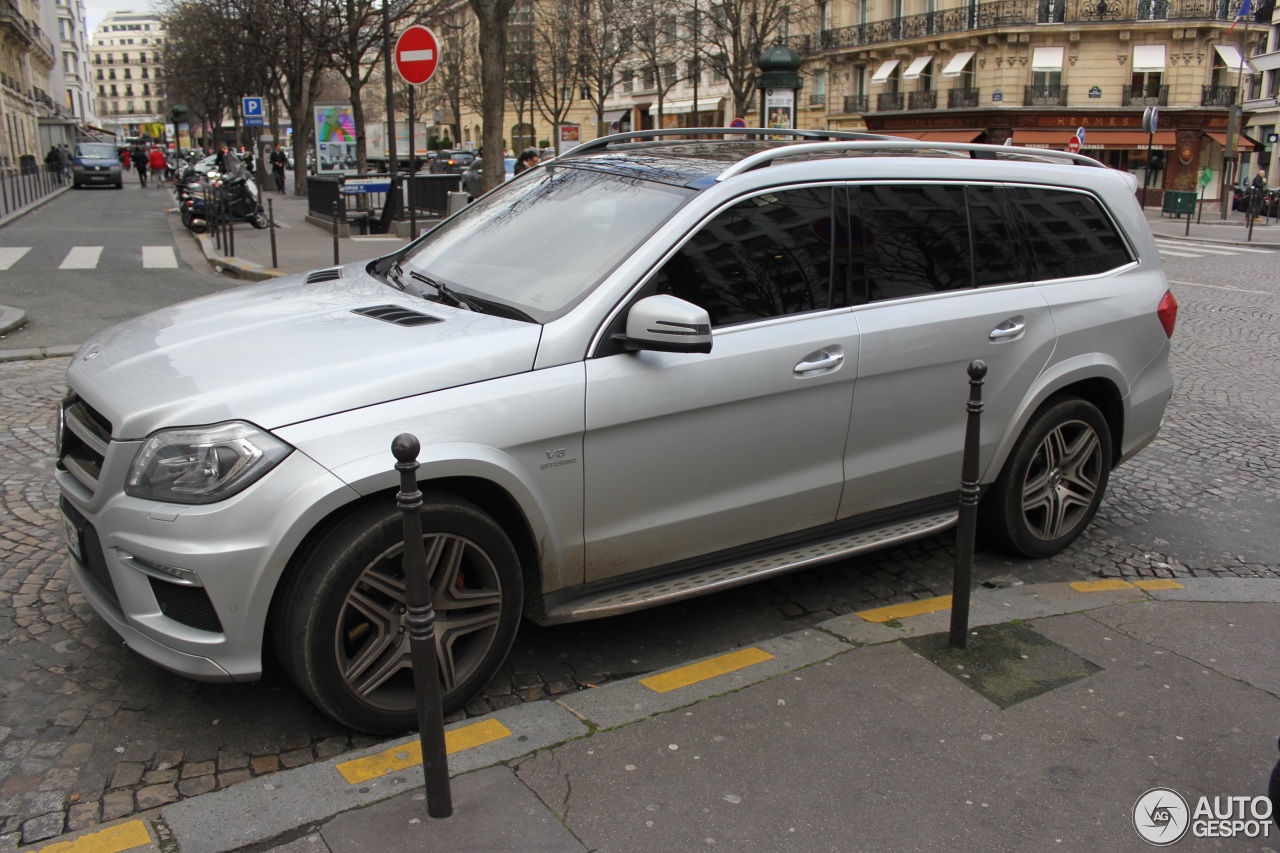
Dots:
(1069, 232)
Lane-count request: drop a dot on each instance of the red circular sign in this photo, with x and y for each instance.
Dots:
(1073, 145)
(417, 54)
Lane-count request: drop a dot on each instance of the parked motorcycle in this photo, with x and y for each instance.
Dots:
(236, 195)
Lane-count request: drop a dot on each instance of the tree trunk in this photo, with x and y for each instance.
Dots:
(492, 18)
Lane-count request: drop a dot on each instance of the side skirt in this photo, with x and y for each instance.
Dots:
(738, 566)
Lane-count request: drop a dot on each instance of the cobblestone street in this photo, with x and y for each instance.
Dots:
(90, 732)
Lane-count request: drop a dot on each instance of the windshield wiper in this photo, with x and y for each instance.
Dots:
(450, 295)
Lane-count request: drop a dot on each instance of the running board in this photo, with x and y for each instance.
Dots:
(674, 587)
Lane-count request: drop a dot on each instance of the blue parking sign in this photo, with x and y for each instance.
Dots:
(251, 108)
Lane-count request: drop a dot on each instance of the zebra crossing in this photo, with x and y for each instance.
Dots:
(1170, 248)
(89, 257)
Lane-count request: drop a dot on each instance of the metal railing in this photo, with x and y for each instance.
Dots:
(922, 100)
(28, 184)
(855, 104)
(1218, 96)
(1045, 96)
(888, 101)
(358, 206)
(1002, 14)
(957, 98)
(1151, 96)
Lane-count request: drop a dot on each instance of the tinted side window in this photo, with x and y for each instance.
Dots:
(1069, 232)
(998, 256)
(764, 257)
(916, 239)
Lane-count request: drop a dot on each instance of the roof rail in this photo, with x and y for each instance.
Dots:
(887, 143)
(771, 132)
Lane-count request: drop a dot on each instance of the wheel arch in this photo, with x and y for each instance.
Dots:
(1096, 381)
(485, 494)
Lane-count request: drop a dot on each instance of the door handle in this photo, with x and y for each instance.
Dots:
(825, 361)
(1007, 329)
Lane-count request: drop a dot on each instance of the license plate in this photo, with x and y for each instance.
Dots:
(72, 535)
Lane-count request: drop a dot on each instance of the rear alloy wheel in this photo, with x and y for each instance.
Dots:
(342, 633)
(1053, 482)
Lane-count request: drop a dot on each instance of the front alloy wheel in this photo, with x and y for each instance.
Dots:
(345, 635)
(1053, 482)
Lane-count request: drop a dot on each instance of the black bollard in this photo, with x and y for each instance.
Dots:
(420, 622)
(231, 228)
(271, 224)
(335, 239)
(967, 529)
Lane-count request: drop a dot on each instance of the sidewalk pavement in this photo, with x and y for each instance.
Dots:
(862, 733)
(301, 246)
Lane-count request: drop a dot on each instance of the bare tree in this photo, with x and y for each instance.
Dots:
(736, 32)
(522, 67)
(657, 50)
(555, 34)
(492, 18)
(358, 35)
(605, 41)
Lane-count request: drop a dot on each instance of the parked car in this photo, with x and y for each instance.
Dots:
(453, 161)
(472, 178)
(723, 360)
(94, 164)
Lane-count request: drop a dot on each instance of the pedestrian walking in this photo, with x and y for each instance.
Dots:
(64, 157)
(139, 157)
(157, 163)
(53, 161)
(126, 158)
(279, 163)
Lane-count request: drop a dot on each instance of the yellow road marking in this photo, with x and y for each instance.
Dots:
(409, 754)
(1158, 583)
(665, 682)
(113, 839)
(910, 608)
(1100, 586)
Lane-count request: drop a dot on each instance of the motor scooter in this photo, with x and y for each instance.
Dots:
(235, 196)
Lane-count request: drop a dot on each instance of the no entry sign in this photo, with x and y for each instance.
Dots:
(417, 54)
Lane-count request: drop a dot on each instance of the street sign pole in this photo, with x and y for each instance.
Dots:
(388, 49)
(1150, 118)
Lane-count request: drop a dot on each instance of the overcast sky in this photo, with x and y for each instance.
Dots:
(96, 10)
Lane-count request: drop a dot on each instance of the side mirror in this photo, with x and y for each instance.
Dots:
(666, 324)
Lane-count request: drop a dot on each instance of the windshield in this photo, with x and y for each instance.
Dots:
(546, 240)
(96, 150)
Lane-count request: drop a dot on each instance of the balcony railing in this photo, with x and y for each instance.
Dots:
(855, 103)
(922, 100)
(959, 98)
(887, 101)
(817, 99)
(1218, 96)
(1150, 96)
(1002, 14)
(1045, 96)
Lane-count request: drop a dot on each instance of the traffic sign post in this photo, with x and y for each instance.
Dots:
(251, 109)
(417, 54)
(1073, 145)
(1150, 120)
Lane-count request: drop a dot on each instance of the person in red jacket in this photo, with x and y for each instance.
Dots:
(158, 163)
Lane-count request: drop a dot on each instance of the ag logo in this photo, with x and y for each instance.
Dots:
(1161, 816)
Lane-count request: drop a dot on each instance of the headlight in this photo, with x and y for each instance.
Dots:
(200, 465)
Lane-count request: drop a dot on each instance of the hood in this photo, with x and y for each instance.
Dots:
(288, 352)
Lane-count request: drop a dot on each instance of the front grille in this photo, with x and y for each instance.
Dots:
(84, 439)
(397, 314)
(189, 605)
(95, 561)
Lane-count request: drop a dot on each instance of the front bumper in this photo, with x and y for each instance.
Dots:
(189, 587)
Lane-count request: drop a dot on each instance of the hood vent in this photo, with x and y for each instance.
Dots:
(397, 314)
(324, 275)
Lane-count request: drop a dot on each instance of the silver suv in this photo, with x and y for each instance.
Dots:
(725, 360)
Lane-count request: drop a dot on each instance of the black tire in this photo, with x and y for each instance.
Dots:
(1052, 482)
(339, 627)
(259, 220)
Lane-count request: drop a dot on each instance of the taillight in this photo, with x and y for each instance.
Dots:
(1168, 312)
